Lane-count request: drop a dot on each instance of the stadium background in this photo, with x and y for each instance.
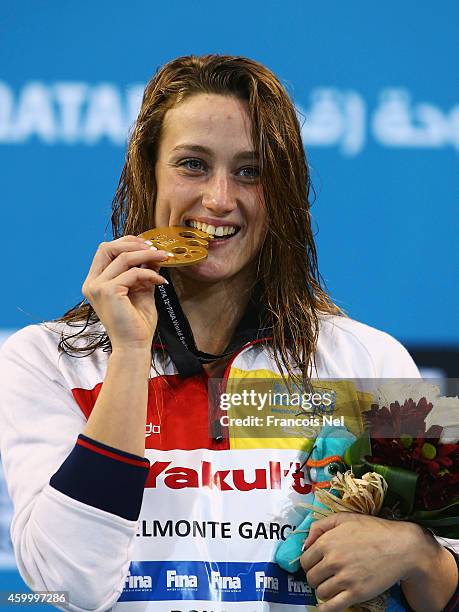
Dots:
(377, 92)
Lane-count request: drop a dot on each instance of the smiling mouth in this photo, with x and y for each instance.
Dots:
(220, 232)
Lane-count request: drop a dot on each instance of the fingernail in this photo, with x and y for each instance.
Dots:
(148, 242)
(171, 254)
(165, 282)
(153, 248)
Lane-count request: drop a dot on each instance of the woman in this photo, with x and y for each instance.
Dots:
(216, 146)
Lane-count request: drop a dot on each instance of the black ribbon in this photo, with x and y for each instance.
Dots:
(174, 330)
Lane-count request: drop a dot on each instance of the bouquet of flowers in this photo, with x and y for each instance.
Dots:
(413, 444)
(404, 467)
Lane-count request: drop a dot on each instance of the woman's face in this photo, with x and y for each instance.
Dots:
(207, 176)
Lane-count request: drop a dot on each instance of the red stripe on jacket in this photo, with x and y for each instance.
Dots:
(177, 414)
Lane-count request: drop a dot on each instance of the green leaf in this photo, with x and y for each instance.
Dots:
(438, 522)
(447, 532)
(451, 510)
(355, 454)
(401, 486)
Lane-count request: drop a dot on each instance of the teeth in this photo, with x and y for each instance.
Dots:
(221, 230)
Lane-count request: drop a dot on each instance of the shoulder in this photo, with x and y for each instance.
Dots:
(29, 341)
(42, 337)
(36, 347)
(362, 351)
(29, 353)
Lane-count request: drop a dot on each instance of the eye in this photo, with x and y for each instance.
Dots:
(250, 172)
(192, 164)
(333, 468)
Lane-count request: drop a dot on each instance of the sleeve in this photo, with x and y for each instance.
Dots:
(389, 357)
(396, 361)
(75, 500)
(359, 351)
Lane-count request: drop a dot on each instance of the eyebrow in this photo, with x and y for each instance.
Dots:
(202, 149)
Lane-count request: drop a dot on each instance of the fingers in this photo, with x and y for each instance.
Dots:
(318, 528)
(328, 580)
(120, 285)
(108, 251)
(318, 572)
(134, 278)
(311, 557)
(328, 589)
(321, 526)
(332, 586)
(115, 257)
(338, 603)
(129, 259)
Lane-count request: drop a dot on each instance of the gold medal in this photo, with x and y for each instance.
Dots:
(188, 244)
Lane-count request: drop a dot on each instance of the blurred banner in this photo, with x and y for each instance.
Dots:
(379, 108)
(377, 95)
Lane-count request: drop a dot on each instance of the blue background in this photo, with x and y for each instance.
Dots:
(387, 214)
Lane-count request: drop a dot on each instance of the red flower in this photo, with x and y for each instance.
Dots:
(396, 421)
(399, 439)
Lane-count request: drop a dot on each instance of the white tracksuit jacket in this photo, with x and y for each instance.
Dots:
(194, 531)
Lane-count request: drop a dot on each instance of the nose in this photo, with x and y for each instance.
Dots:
(218, 196)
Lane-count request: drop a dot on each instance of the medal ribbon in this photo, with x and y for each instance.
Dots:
(174, 330)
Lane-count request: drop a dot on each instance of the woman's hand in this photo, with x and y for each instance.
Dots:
(119, 287)
(350, 558)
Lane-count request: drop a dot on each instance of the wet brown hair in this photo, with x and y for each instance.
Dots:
(288, 274)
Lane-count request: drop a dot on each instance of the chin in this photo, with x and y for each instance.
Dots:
(208, 271)
(204, 273)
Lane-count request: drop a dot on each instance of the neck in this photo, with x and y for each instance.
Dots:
(212, 309)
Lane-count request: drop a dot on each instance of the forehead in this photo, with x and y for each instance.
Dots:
(207, 119)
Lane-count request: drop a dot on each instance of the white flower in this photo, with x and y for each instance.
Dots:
(445, 411)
